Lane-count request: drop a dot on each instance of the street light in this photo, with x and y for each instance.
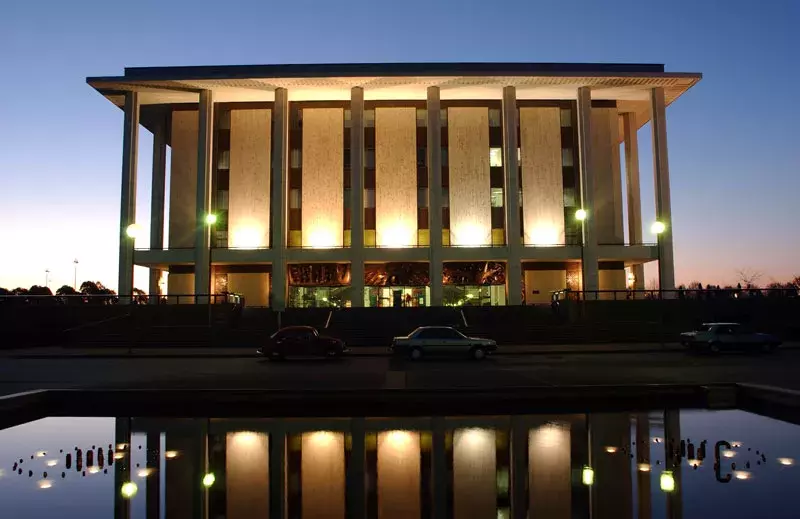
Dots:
(580, 215)
(134, 230)
(75, 274)
(658, 229)
(46, 278)
(211, 219)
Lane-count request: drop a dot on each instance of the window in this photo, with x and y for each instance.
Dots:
(421, 334)
(566, 157)
(369, 118)
(422, 197)
(422, 160)
(296, 158)
(494, 118)
(497, 197)
(569, 197)
(369, 158)
(496, 157)
(443, 116)
(348, 119)
(347, 197)
(445, 197)
(566, 117)
(519, 156)
(294, 199)
(222, 200)
(422, 117)
(224, 160)
(445, 159)
(369, 198)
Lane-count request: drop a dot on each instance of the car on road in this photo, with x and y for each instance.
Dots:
(441, 340)
(717, 337)
(302, 341)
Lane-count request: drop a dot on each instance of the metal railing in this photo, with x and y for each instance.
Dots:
(680, 293)
(114, 299)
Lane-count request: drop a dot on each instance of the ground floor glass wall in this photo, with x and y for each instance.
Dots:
(397, 296)
(474, 295)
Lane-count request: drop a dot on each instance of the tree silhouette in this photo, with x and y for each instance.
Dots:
(66, 290)
(37, 290)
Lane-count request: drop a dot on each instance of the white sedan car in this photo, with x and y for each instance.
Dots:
(441, 340)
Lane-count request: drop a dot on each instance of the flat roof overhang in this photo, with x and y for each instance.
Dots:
(627, 84)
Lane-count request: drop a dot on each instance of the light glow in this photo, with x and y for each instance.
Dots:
(119, 455)
(209, 479)
(549, 436)
(398, 438)
(742, 474)
(122, 446)
(322, 438)
(44, 483)
(41, 454)
(400, 234)
(94, 470)
(245, 438)
(587, 476)
(134, 230)
(129, 489)
(211, 219)
(728, 454)
(736, 445)
(786, 461)
(694, 463)
(658, 227)
(469, 235)
(644, 467)
(247, 237)
(611, 449)
(581, 215)
(52, 463)
(171, 455)
(667, 481)
(143, 473)
(545, 235)
(321, 239)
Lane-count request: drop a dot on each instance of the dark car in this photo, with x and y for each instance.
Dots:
(716, 337)
(301, 341)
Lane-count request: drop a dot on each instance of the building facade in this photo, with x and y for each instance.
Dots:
(395, 184)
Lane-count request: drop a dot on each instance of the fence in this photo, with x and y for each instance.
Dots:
(114, 299)
(696, 294)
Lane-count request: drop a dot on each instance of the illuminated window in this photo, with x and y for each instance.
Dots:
(566, 157)
(566, 117)
(294, 199)
(519, 156)
(569, 197)
(496, 157)
(224, 160)
(497, 197)
(222, 200)
(296, 159)
(369, 118)
(369, 198)
(494, 117)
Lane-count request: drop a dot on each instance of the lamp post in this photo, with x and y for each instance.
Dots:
(46, 278)
(210, 220)
(75, 274)
(658, 229)
(132, 231)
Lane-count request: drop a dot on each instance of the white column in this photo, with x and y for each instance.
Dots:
(666, 264)
(202, 242)
(357, 196)
(434, 131)
(127, 214)
(630, 128)
(511, 163)
(280, 212)
(157, 202)
(589, 249)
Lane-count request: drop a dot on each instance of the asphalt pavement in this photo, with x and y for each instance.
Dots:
(374, 372)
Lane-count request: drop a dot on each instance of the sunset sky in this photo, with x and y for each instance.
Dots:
(734, 144)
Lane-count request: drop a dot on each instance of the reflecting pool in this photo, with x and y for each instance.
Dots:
(658, 464)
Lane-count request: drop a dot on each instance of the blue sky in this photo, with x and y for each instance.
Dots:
(734, 159)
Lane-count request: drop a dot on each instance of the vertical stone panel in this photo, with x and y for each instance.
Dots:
(474, 473)
(542, 177)
(398, 475)
(612, 279)
(323, 476)
(323, 189)
(180, 284)
(396, 177)
(549, 460)
(539, 284)
(470, 197)
(249, 202)
(247, 475)
(183, 180)
(254, 286)
(607, 176)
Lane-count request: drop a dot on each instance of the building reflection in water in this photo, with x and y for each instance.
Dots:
(492, 467)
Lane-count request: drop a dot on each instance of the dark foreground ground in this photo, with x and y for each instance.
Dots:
(375, 372)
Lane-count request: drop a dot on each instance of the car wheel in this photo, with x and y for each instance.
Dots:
(415, 353)
(478, 353)
(331, 354)
(714, 347)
